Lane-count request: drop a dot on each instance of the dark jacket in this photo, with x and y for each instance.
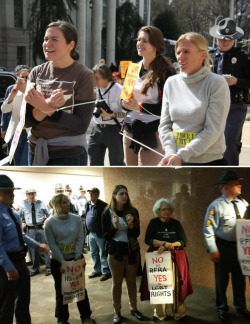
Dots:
(236, 63)
(98, 210)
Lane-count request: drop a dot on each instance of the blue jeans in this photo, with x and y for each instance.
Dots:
(81, 160)
(21, 154)
(98, 253)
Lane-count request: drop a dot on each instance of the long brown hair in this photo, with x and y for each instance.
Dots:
(113, 205)
(160, 63)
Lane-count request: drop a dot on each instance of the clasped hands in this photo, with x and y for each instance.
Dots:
(129, 220)
(47, 106)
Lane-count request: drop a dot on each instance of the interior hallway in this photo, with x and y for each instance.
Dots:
(200, 306)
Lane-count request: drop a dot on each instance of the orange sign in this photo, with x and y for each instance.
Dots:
(124, 65)
(131, 77)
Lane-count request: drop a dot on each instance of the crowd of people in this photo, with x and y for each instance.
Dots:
(194, 117)
(59, 235)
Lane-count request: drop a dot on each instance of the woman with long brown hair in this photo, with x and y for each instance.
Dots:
(121, 227)
(145, 106)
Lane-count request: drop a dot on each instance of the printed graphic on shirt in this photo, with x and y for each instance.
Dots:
(46, 87)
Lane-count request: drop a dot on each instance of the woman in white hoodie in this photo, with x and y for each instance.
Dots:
(13, 104)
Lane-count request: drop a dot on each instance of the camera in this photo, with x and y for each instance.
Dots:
(20, 80)
(101, 104)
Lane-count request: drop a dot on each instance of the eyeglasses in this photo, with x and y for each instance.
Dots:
(24, 77)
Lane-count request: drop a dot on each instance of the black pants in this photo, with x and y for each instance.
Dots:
(15, 295)
(62, 312)
(102, 139)
(229, 263)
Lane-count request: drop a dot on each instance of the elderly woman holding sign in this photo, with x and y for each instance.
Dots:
(64, 234)
(166, 234)
(145, 105)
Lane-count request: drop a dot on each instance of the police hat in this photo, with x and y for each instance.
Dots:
(30, 191)
(227, 176)
(81, 188)
(68, 188)
(59, 186)
(6, 183)
(226, 29)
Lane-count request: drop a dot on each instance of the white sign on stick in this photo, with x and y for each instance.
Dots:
(73, 282)
(160, 278)
(243, 244)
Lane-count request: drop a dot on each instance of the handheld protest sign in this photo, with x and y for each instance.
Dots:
(73, 282)
(160, 277)
(243, 244)
(124, 66)
(129, 82)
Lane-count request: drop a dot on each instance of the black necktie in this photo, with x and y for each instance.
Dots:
(236, 209)
(18, 228)
(220, 66)
(33, 212)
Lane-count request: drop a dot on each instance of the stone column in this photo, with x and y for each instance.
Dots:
(141, 9)
(111, 28)
(97, 31)
(81, 29)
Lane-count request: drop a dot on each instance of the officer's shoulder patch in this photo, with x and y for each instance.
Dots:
(208, 223)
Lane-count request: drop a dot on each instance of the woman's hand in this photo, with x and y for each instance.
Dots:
(116, 221)
(161, 249)
(130, 104)
(56, 100)
(172, 159)
(36, 99)
(129, 220)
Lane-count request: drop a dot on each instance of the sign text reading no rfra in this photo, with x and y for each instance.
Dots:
(129, 82)
(160, 279)
(73, 282)
(243, 245)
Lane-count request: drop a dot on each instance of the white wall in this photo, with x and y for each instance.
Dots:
(44, 181)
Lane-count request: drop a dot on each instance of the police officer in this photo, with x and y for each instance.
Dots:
(72, 203)
(234, 64)
(33, 213)
(220, 238)
(14, 274)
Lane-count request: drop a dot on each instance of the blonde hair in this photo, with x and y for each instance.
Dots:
(200, 42)
(56, 202)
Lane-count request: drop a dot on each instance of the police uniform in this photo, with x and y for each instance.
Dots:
(36, 231)
(220, 235)
(236, 63)
(14, 295)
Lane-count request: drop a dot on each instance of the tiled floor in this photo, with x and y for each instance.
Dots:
(199, 306)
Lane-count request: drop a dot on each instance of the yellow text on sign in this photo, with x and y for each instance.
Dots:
(131, 77)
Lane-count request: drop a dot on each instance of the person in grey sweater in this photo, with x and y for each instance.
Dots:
(64, 234)
(194, 108)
